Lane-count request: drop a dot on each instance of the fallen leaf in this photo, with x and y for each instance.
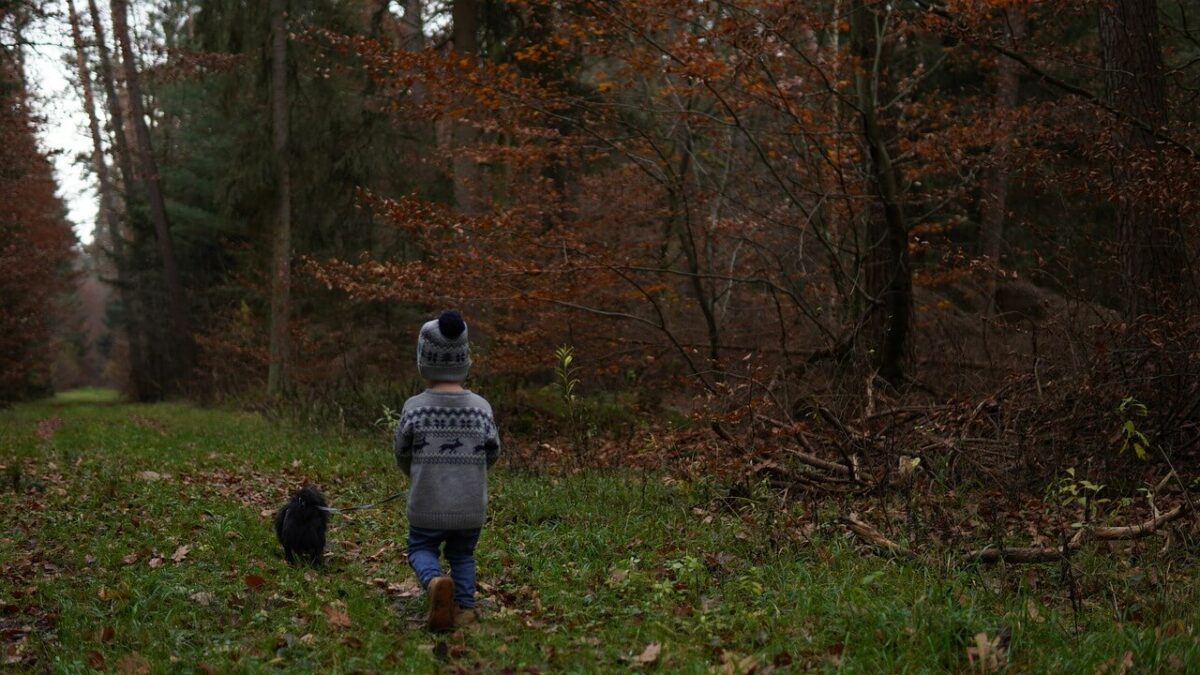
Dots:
(649, 654)
(1031, 607)
(12, 655)
(286, 640)
(130, 559)
(95, 659)
(180, 553)
(336, 614)
(1114, 667)
(1173, 628)
(152, 476)
(834, 652)
(987, 655)
(156, 562)
(133, 664)
(377, 554)
(202, 597)
(733, 665)
(105, 634)
(254, 581)
(409, 588)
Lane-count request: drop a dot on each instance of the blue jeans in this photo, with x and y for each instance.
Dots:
(424, 554)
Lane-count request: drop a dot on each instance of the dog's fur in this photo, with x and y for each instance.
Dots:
(300, 526)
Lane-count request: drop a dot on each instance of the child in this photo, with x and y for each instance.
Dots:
(446, 441)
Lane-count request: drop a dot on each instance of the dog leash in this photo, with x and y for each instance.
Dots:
(363, 507)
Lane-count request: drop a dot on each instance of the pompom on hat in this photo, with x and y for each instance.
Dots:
(443, 351)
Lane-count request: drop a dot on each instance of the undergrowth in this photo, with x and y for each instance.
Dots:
(139, 539)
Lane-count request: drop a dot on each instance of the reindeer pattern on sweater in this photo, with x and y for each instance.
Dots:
(446, 441)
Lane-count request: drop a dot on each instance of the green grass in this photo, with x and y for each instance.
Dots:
(580, 574)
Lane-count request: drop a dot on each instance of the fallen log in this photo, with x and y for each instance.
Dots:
(994, 554)
(1138, 530)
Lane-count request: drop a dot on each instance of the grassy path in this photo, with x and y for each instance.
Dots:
(138, 539)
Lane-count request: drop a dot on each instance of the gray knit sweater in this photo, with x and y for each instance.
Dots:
(445, 442)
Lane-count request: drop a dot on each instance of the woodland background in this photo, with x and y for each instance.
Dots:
(838, 246)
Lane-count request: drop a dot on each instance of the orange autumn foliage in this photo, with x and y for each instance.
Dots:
(35, 249)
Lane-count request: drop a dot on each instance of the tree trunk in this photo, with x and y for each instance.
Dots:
(115, 114)
(108, 208)
(407, 32)
(1151, 243)
(994, 204)
(888, 277)
(413, 25)
(180, 322)
(281, 255)
(681, 214)
(142, 385)
(468, 188)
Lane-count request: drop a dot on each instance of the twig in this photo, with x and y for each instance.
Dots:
(819, 463)
(994, 554)
(872, 536)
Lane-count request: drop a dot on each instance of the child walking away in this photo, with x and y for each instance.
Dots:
(446, 442)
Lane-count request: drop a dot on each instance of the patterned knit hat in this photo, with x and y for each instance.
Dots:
(443, 353)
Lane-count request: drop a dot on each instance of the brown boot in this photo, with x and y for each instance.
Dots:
(441, 604)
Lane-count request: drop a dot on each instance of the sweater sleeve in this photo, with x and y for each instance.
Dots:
(403, 445)
(492, 442)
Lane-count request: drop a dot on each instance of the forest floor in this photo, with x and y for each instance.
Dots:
(138, 539)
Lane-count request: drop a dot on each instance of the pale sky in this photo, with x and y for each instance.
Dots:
(64, 130)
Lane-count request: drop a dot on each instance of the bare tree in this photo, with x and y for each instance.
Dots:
(1151, 243)
(888, 277)
(994, 206)
(139, 381)
(467, 184)
(180, 321)
(281, 254)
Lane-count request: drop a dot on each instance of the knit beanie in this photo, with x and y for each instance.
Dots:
(443, 353)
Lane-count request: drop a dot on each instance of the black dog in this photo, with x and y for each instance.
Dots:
(300, 526)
